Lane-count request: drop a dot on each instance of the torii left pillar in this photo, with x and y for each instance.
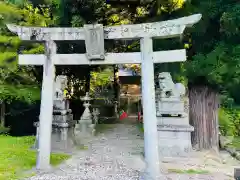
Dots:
(46, 111)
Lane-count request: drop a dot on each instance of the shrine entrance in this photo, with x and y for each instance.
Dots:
(130, 92)
(94, 36)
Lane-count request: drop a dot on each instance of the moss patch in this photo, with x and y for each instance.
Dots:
(140, 127)
(188, 171)
(16, 157)
(83, 147)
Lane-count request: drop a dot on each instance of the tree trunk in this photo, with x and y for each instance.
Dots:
(203, 115)
(2, 114)
(116, 90)
(87, 80)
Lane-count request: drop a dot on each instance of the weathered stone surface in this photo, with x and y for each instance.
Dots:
(172, 120)
(174, 131)
(62, 138)
(94, 41)
(60, 120)
(170, 107)
(59, 104)
(85, 128)
(168, 89)
(96, 114)
(174, 140)
(110, 58)
(164, 29)
(86, 118)
(175, 128)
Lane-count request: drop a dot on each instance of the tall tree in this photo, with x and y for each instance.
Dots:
(213, 65)
(213, 59)
(17, 83)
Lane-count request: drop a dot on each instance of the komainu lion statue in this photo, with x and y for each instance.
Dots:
(167, 87)
(59, 85)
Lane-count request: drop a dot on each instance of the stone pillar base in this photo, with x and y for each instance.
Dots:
(174, 140)
(84, 132)
(62, 138)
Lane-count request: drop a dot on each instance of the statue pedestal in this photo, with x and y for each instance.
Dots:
(85, 129)
(62, 138)
(174, 131)
(169, 106)
(174, 140)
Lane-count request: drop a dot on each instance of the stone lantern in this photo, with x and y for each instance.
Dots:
(85, 126)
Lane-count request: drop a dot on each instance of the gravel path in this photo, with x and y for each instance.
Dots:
(114, 155)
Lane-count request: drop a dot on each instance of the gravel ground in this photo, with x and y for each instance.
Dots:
(114, 155)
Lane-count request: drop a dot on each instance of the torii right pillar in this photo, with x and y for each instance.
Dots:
(151, 149)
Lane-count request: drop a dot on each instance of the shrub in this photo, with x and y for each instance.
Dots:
(236, 121)
(226, 124)
(4, 130)
(229, 121)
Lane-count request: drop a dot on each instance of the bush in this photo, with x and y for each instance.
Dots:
(236, 121)
(4, 130)
(229, 121)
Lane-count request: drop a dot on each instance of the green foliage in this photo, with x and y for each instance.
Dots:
(19, 83)
(4, 130)
(215, 66)
(216, 50)
(229, 122)
(100, 80)
(9, 40)
(226, 124)
(212, 45)
(19, 92)
(140, 127)
(35, 50)
(235, 143)
(236, 121)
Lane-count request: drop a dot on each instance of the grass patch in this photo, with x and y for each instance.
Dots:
(188, 171)
(140, 127)
(100, 128)
(236, 143)
(16, 156)
(83, 147)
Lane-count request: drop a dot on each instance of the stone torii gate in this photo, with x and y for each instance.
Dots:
(94, 36)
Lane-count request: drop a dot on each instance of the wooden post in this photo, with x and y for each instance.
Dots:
(46, 111)
(149, 111)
